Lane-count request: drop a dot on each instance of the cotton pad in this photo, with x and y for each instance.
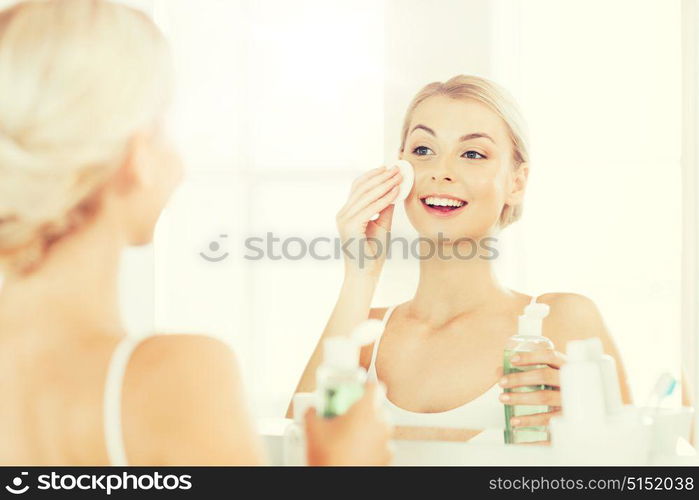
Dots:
(406, 185)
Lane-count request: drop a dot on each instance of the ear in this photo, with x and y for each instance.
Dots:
(135, 171)
(518, 185)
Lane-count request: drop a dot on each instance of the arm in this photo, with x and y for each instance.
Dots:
(352, 307)
(371, 193)
(687, 400)
(184, 404)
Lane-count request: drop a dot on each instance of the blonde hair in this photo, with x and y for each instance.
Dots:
(77, 78)
(497, 99)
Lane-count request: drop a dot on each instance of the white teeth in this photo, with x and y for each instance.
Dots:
(443, 202)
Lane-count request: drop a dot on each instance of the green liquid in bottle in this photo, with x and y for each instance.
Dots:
(337, 399)
(523, 434)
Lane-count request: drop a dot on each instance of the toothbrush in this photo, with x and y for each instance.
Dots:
(664, 387)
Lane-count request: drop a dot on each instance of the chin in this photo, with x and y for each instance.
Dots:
(447, 236)
(450, 230)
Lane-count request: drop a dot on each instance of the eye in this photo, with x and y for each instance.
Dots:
(422, 151)
(473, 155)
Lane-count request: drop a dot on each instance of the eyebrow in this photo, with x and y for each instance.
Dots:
(463, 138)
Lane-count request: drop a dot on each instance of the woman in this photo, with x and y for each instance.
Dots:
(465, 141)
(85, 171)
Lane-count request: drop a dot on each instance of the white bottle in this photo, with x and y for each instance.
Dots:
(582, 390)
(340, 379)
(610, 380)
(586, 434)
(294, 434)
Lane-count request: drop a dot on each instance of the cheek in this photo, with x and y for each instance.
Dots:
(170, 174)
(486, 187)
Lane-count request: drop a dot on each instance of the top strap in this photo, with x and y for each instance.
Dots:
(384, 321)
(113, 434)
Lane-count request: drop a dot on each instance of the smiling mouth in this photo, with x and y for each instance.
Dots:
(442, 205)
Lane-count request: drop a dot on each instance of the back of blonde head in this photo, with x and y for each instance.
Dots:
(497, 99)
(77, 79)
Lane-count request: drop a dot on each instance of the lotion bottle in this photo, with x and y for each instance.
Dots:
(527, 339)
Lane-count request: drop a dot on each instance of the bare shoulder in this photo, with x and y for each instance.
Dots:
(178, 390)
(571, 316)
(175, 353)
(179, 369)
(568, 304)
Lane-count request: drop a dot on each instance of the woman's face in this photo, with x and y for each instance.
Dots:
(464, 175)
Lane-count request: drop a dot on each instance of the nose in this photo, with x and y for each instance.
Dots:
(443, 177)
(443, 172)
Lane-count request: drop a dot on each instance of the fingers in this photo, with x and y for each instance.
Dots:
(370, 202)
(310, 414)
(385, 218)
(310, 420)
(545, 398)
(539, 376)
(547, 357)
(534, 420)
(372, 406)
(368, 175)
(378, 205)
(363, 187)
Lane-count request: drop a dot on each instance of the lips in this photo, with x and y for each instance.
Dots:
(443, 205)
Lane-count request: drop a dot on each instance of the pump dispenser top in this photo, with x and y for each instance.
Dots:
(530, 322)
(343, 352)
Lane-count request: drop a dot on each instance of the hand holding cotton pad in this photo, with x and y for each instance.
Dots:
(406, 184)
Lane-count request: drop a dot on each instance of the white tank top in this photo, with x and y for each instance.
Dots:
(114, 382)
(483, 412)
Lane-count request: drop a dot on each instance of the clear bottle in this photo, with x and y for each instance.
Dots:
(528, 339)
(340, 379)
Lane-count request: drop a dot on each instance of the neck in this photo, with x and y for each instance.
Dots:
(456, 280)
(74, 289)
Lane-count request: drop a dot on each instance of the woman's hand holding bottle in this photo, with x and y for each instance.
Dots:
(547, 377)
(359, 437)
